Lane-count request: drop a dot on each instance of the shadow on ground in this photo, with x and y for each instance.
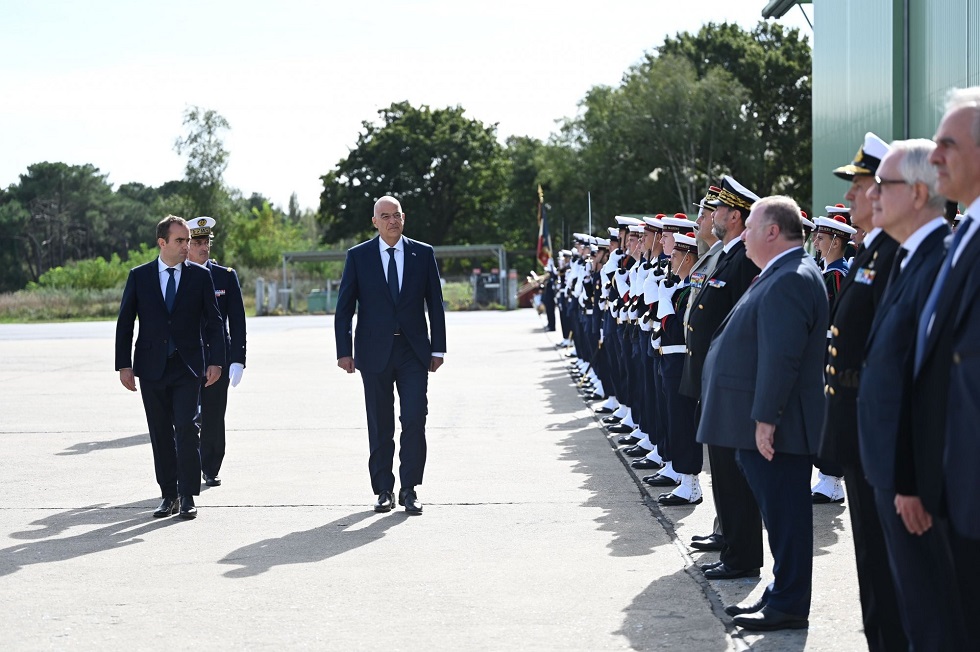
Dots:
(123, 442)
(121, 525)
(310, 546)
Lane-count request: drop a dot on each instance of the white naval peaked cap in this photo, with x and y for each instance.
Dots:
(627, 221)
(635, 228)
(201, 226)
(834, 227)
(685, 243)
(654, 222)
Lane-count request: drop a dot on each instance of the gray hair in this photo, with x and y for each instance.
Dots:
(959, 98)
(784, 212)
(916, 168)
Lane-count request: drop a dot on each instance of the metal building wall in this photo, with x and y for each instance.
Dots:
(854, 86)
(864, 79)
(943, 52)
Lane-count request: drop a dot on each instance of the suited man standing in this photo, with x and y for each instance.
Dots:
(935, 478)
(762, 397)
(175, 304)
(392, 281)
(214, 400)
(741, 522)
(908, 208)
(850, 322)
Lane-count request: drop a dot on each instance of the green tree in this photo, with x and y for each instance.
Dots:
(259, 238)
(447, 170)
(775, 66)
(207, 160)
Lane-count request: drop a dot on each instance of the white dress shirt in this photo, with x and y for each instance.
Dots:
(164, 276)
(399, 258)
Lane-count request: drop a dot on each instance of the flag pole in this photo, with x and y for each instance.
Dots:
(590, 212)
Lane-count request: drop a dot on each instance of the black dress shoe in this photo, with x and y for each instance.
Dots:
(167, 507)
(612, 419)
(410, 500)
(212, 481)
(595, 397)
(657, 480)
(768, 619)
(698, 537)
(708, 543)
(823, 499)
(627, 440)
(739, 609)
(709, 566)
(723, 572)
(187, 508)
(604, 410)
(673, 500)
(636, 451)
(645, 463)
(386, 500)
(621, 428)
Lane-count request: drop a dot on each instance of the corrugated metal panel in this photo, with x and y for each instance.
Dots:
(852, 86)
(939, 39)
(859, 77)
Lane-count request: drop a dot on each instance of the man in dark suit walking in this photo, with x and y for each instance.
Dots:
(174, 302)
(761, 396)
(214, 399)
(392, 281)
(908, 208)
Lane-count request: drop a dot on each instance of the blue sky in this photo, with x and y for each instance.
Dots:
(106, 82)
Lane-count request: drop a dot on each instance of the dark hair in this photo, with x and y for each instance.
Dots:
(163, 226)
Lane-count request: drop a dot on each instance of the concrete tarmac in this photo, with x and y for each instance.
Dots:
(535, 536)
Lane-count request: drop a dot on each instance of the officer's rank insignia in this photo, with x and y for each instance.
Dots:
(865, 276)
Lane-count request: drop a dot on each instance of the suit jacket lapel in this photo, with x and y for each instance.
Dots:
(966, 261)
(956, 276)
(410, 266)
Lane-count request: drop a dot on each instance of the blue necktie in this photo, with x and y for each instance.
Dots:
(169, 298)
(929, 311)
(392, 275)
(171, 293)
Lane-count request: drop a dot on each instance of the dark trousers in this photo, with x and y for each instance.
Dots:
(685, 451)
(879, 606)
(405, 372)
(171, 404)
(214, 402)
(782, 489)
(549, 309)
(737, 510)
(925, 580)
(966, 561)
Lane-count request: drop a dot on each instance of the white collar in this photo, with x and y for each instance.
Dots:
(399, 246)
(777, 257)
(731, 243)
(920, 234)
(872, 234)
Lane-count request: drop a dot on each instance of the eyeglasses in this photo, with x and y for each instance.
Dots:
(879, 182)
(390, 216)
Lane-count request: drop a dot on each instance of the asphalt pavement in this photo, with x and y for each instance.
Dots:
(536, 535)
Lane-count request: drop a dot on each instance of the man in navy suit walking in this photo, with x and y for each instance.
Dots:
(392, 281)
(174, 302)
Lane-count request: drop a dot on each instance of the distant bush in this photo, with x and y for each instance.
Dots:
(94, 273)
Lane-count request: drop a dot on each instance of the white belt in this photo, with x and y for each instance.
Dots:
(673, 348)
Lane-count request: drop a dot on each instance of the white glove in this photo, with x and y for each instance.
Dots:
(235, 373)
(666, 305)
